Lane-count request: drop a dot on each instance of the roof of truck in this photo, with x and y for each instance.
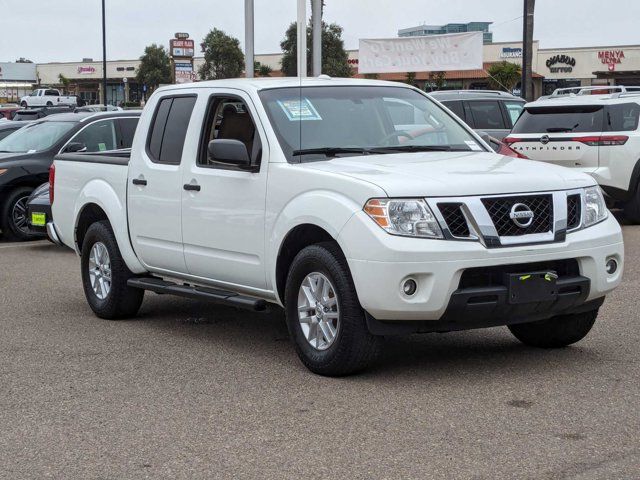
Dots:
(264, 83)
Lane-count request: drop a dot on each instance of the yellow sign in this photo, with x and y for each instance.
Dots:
(38, 219)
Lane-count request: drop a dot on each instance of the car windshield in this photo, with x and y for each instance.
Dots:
(319, 123)
(35, 138)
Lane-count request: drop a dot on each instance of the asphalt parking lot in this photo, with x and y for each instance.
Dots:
(192, 390)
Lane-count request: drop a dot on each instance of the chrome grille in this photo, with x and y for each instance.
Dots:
(574, 211)
(455, 220)
(499, 210)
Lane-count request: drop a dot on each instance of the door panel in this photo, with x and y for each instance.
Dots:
(155, 188)
(223, 222)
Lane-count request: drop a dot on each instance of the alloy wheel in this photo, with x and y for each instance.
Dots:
(318, 311)
(100, 270)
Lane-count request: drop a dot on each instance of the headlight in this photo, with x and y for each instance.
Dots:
(595, 209)
(407, 217)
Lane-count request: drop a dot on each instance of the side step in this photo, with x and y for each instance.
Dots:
(199, 293)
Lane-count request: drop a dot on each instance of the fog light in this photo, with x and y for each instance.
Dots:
(409, 287)
(611, 266)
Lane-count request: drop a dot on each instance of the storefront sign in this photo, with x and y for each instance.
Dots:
(609, 57)
(182, 48)
(184, 72)
(508, 52)
(456, 51)
(570, 62)
(86, 70)
(181, 35)
(11, 71)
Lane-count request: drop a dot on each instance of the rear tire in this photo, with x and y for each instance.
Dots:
(351, 347)
(105, 275)
(555, 332)
(23, 104)
(632, 208)
(49, 104)
(13, 215)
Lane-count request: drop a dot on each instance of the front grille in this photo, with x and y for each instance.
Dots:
(574, 211)
(500, 208)
(453, 216)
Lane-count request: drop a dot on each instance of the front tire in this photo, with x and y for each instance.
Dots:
(555, 332)
(105, 275)
(13, 215)
(632, 208)
(324, 317)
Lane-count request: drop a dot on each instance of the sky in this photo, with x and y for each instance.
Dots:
(69, 30)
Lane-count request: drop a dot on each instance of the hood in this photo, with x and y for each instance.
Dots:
(447, 174)
(10, 157)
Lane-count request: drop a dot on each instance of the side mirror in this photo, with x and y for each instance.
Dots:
(484, 136)
(229, 152)
(74, 147)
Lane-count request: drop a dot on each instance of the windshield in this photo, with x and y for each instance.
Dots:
(35, 138)
(319, 123)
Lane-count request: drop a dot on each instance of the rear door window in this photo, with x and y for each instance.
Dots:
(98, 136)
(513, 111)
(561, 119)
(455, 107)
(487, 115)
(622, 117)
(127, 131)
(169, 128)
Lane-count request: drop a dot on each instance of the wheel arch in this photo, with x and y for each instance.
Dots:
(297, 238)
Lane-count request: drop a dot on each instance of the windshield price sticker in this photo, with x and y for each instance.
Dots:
(473, 145)
(299, 109)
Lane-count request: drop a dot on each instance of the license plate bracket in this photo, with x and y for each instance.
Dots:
(531, 287)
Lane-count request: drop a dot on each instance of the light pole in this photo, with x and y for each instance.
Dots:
(104, 57)
(527, 47)
(248, 39)
(316, 22)
(302, 38)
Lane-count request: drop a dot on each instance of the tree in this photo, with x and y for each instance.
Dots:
(410, 78)
(437, 80)
(23, 60)
(155, 67)
(504, 75)
(223, 57)
(262, 70)
(334, 57)
(64, 81)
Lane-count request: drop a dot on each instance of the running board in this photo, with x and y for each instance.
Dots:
(223, 297)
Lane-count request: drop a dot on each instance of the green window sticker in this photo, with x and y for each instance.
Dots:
(299, 109)
(102, 147)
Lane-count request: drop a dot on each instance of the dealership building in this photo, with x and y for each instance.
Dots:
(552, 68)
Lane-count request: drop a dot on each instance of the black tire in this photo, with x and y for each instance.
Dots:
(49, 104)
(354, 348)
(23, 104)
(10, 229)
(556, 332)
(121, 301)
(632, 208)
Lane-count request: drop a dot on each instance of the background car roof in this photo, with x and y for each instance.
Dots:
(84, 116)
(474, 94)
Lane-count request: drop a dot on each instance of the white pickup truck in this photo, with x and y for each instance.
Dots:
(47, 97)
(364, 208)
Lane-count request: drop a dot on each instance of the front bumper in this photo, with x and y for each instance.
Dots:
(380, 263)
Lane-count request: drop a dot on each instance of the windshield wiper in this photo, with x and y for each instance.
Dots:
(561, 129)
(330, 151)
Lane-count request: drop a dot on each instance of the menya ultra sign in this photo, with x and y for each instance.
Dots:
(609, 57)
(458, 51)
(570, 62)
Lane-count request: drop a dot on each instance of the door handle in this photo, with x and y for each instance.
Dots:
(192, 187)
(139, 181)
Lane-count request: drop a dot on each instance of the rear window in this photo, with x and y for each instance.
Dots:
(486, 115)
(580, 119)
(622, 117)
(169, 128)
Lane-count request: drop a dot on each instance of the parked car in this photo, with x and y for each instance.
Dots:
(7, 127)
(597, 134)
(7, 110)
(31, 114)
(47, 97)
(39, 211)
(25, 156)
(362, 207)
(490, 111)
(504, 149)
